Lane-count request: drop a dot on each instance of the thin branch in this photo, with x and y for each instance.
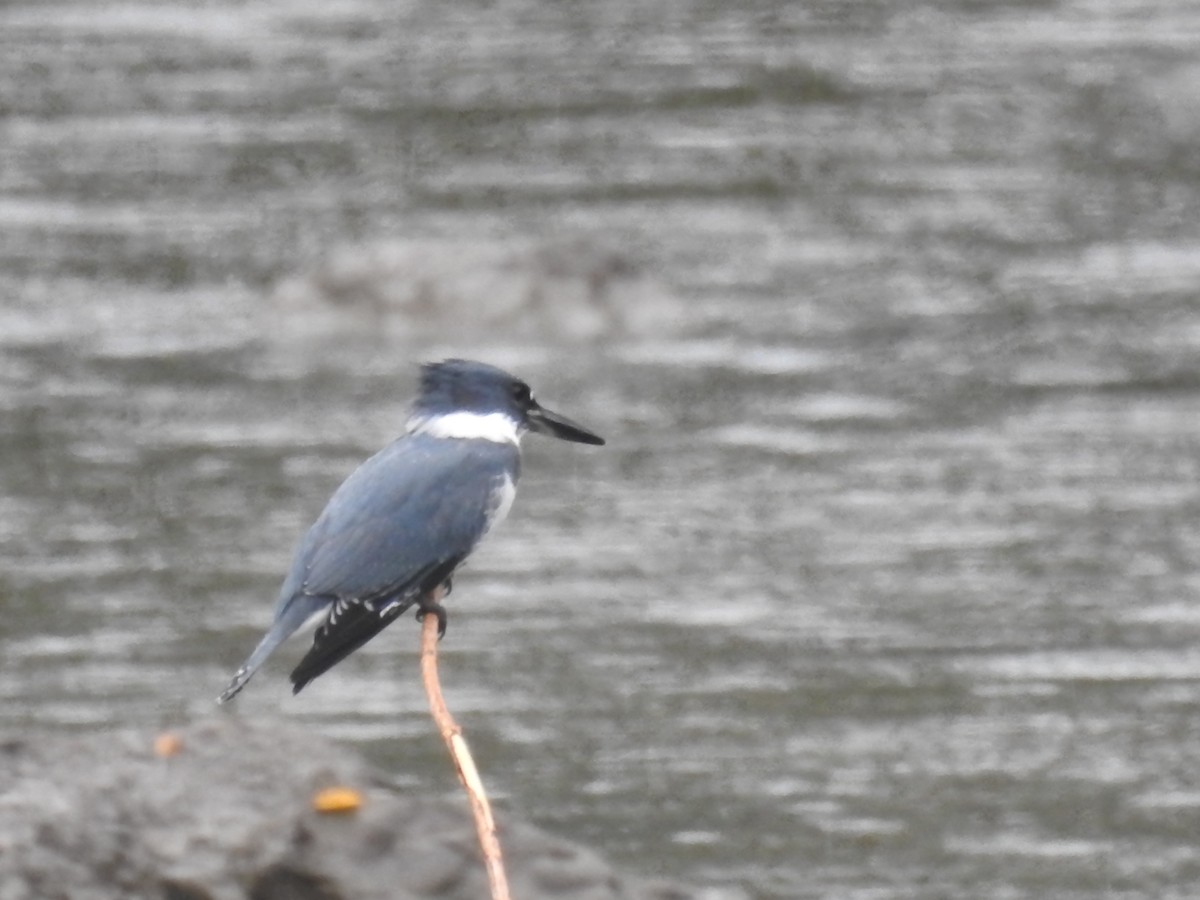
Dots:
(451, 733)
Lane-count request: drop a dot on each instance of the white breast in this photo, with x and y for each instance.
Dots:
(502, 501)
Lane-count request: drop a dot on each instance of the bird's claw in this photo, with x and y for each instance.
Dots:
(434, 608)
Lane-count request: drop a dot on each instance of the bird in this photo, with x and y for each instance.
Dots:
(393, 533)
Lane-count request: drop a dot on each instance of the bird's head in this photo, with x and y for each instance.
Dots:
(460, 398)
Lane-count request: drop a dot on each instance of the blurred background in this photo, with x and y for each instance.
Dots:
(885, 584)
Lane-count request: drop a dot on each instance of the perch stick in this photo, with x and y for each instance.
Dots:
(452, 734)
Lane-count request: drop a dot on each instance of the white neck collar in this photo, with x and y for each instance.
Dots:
(496, 427)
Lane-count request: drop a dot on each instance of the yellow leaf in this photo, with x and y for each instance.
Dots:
(337, 800)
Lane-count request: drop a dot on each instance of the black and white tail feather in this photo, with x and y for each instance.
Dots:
(353, 621)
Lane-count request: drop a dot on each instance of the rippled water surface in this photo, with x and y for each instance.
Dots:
(885, 584)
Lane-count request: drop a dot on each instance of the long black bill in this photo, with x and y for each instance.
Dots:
(543, 421)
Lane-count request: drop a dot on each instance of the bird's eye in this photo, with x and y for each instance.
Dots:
(521, 392)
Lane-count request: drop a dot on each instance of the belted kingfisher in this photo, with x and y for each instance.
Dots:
(399, 526)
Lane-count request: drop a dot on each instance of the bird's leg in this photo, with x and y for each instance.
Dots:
(430, 603)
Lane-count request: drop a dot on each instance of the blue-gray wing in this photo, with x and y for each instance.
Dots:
(394, 531)
(416, 503)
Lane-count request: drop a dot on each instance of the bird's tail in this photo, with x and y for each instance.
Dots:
(355, 620)
(353, 627)
(294, 614)
(239, 681)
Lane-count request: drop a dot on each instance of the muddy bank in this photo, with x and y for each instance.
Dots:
(226, 810)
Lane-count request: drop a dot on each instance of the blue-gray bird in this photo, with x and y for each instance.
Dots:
(392, 535)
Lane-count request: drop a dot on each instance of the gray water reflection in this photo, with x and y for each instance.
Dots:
(884, 586)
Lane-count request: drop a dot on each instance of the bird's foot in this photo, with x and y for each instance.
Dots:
(432, 607)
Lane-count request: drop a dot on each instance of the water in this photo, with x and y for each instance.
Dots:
(884, 585)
